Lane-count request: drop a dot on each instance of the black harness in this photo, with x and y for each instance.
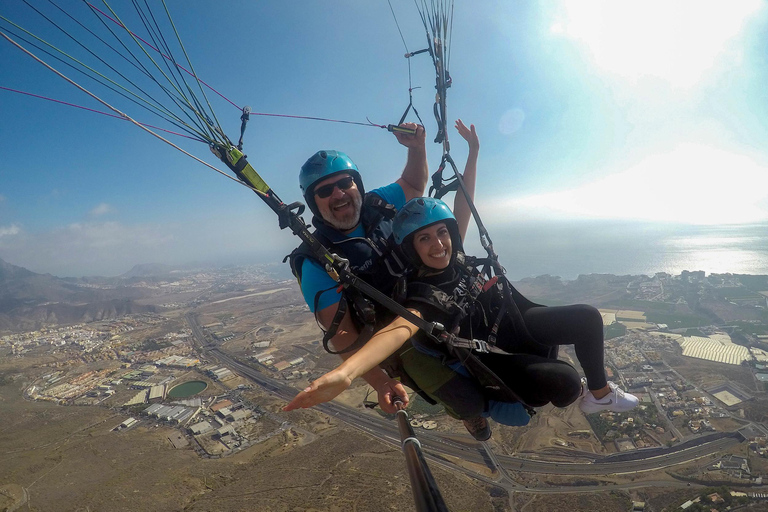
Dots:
(474, 312)
(374, 258)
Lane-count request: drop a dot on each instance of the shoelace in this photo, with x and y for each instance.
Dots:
(617, 390)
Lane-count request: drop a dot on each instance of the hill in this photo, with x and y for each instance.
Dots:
(29, 300)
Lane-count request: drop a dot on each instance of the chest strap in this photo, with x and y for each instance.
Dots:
(479, 346)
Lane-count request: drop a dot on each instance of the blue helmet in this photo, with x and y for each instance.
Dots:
(418, 214)
(320, 166)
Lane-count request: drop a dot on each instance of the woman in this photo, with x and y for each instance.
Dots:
(446, 289)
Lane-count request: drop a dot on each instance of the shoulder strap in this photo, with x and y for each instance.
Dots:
(365, 316)
(296, 258)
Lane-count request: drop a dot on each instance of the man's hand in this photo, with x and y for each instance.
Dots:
(416, 141)
(387, 391)
(416, 172)
(324, 389)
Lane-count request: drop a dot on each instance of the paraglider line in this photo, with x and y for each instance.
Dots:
(164, 55)
(121, 114)
(97, 112)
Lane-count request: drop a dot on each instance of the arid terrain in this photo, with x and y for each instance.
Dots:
(68, 456)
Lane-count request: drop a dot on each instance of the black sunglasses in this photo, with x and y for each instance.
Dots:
(327, 190)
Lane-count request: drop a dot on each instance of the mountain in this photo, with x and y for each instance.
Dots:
(29, 300)
(9, 272)
(149, 270)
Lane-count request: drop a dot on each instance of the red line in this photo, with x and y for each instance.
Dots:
(211, 88)
(95, 111)
(161, 53)
(208, 86)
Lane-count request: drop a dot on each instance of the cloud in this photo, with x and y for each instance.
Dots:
(101, 209)
(112, 248)
(2, 198)
(13, 229)
(693, 184)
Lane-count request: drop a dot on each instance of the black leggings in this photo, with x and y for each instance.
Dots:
(539, 380)
(579, 325)
(536, 379)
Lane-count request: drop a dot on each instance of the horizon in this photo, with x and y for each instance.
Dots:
(569, 249)
(581, 116)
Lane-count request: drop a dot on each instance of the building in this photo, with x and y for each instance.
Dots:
(220, 405)
(240, 414)
(157, 393)
(126, 424)
(201, 428)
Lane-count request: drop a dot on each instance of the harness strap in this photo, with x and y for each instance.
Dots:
(479, 346)
(410, 100)
(475, 286)
(334, 327)
(497, 323)
(367, 319)
(440, 186)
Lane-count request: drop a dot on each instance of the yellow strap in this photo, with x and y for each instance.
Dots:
(248, 171)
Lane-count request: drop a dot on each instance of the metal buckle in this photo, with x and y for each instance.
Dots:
(481, 346)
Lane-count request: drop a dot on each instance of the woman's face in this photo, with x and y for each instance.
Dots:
(433, 245)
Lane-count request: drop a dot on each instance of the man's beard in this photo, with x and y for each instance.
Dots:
(346, 222)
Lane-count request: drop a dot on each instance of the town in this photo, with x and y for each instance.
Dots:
(696, 380)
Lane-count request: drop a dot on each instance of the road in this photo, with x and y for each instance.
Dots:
(437, 446)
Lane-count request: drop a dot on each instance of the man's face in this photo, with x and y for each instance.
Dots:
(340, 209)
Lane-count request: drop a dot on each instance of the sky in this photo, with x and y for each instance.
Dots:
(625, 112)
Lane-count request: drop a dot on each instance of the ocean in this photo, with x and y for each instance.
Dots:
(568, 249)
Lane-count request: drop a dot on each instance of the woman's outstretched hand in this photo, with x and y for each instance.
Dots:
(324, 389)
(469, 135)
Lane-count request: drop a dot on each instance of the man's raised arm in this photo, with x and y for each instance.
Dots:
(415, 175)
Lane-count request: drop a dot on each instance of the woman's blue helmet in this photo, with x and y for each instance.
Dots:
(320, 166)
(418, 214)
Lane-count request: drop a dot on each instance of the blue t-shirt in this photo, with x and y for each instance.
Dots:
(315, 279)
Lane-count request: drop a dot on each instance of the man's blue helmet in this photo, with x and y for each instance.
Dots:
(418, 214)
(320, 166)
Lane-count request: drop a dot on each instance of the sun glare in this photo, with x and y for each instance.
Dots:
(693, 184)
(675, 41)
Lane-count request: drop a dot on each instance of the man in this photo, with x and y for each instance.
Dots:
(357, 226)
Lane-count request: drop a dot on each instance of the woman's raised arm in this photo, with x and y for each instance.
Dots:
(460, 207)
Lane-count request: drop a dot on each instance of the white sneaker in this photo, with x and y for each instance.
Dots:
(617, 401)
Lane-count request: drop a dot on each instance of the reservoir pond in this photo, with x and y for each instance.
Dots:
(187, 389)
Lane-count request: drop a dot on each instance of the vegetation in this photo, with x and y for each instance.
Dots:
(677, 320)
(735, 293)
(646, 306)
(600, 426)
(420, 406)
(706, 504)
(642, 415)
(754, 283)
(614, 330)
(751, 328)
(152, 344)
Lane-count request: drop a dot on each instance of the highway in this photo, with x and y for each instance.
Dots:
(437, 447)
